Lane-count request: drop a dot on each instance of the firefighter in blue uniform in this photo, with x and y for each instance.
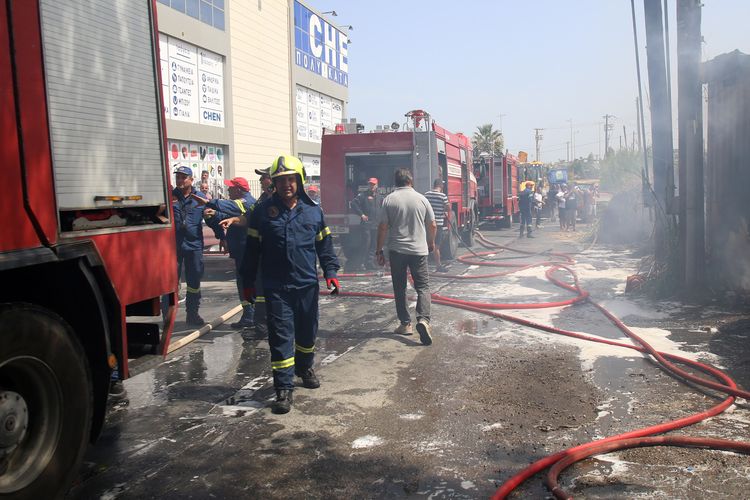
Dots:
(239, 205)
(188, 218)
(287, 231)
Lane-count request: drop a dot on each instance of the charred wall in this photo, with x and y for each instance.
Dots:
(728, 171)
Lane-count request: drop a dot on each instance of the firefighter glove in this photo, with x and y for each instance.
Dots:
(333, 285)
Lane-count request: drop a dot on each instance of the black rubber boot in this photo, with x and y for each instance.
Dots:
(309, 379)
(194, 319)
(283, 402)
(247, 320)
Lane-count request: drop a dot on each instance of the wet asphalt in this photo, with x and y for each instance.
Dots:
(396, 419)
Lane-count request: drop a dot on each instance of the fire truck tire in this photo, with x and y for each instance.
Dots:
(468, 233)
(46, 403)
(449, 248)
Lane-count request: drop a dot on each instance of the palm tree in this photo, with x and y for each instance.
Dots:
(487, 140)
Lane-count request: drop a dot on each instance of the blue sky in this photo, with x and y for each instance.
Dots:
(539, 63)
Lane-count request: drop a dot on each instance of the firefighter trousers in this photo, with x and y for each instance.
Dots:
(292, 319)
(248, 311)
(526, 221)
(193, 262)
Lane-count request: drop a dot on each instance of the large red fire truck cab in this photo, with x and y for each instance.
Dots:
(88, 253)
(349, 159)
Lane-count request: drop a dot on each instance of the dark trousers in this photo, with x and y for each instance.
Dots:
(193, 262)
(247, 308)
(417, 265)
(526, 220)
(292, 319)
(368, 236)
(260, 302)
(572, 213)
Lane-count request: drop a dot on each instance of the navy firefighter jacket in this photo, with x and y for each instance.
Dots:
(188, 221)
(236, 235)
(289, 242)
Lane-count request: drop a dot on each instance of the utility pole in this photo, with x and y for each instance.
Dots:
(607, 128)
(538, 138)
(638, 120)
(661, 126)
(690, 134)
(625, 135)
(567, 144)
(572, 141)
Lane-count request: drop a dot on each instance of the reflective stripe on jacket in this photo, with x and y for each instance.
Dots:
(289, 241)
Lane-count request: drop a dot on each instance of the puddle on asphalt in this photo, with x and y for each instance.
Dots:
(608, 373)
(218, 362)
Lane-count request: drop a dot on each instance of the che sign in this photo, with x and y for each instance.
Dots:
(319, 46)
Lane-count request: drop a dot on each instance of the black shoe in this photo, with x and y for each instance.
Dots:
(529, 236)
(309, 379)
(243, 323)
(283, 402)
(194, 319)
(116, 388)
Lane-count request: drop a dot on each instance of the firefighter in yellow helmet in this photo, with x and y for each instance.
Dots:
(287, 231)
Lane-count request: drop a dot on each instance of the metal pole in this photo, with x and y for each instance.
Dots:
(642, 130)
(690, 118)
(572, 141)
(661, 126)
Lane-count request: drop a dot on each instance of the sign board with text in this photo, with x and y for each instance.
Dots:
(193, 82)
(319, 46)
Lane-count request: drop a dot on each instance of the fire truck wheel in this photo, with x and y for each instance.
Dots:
(468, 234)
(449, 248)
(45, 403)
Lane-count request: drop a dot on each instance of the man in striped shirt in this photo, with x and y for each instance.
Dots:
(439, 202)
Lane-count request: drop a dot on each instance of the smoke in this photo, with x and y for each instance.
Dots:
(625, 220)
(733, 259)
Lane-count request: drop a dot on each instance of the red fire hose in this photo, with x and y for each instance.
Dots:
(640, 437)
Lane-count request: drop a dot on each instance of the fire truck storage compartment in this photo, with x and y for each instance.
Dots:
(104, 113)
(498, 191)
(360, 167)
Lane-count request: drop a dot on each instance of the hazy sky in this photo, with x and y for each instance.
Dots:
(538, 63)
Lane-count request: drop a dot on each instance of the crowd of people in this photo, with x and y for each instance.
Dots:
(568, 204)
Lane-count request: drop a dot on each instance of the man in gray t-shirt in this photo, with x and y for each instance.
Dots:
(407, 225)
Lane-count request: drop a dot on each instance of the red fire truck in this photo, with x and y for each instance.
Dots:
(497, 187)
(88, 252)
(350, 158)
